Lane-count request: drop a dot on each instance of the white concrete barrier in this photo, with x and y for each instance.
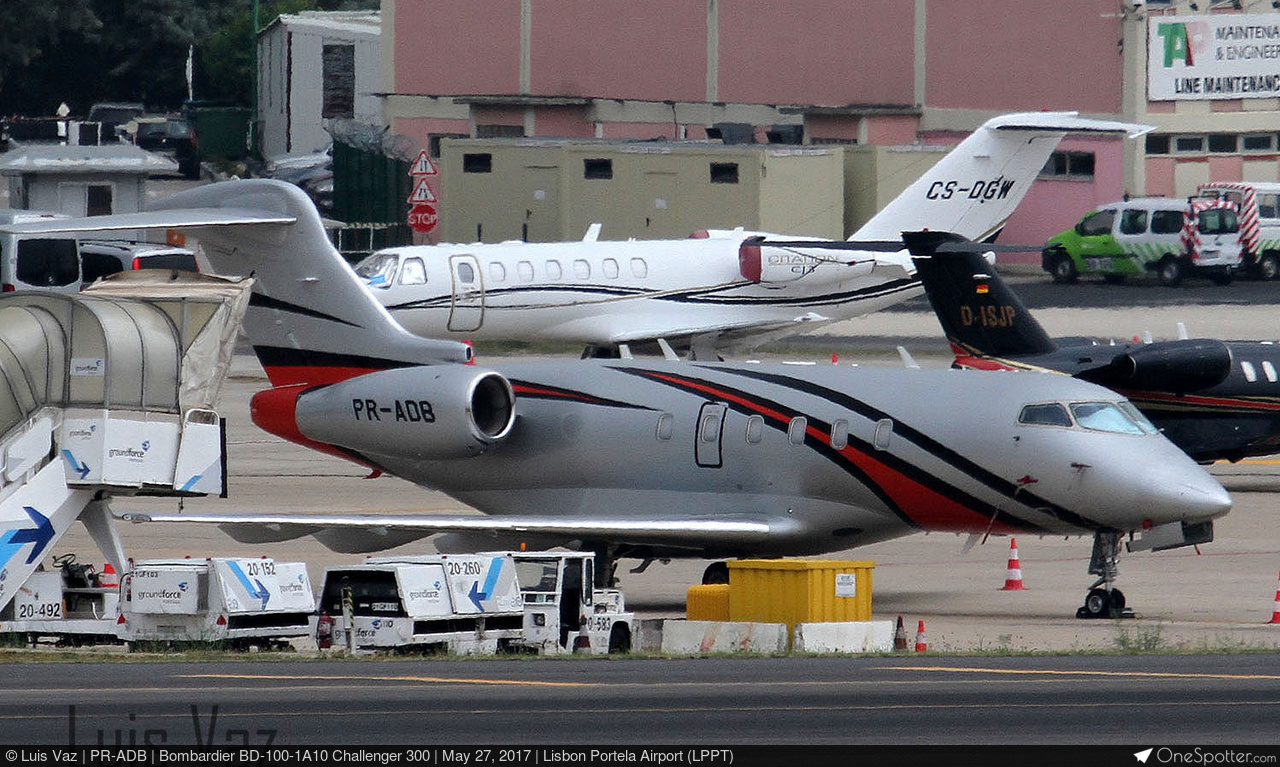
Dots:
(679, 636)
(850, 637)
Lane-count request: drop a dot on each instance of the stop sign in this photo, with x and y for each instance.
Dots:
(423, 218)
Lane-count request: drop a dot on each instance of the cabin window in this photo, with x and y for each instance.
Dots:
(840, 434)
(610, 268)
(581, 269)
(639, 268)
(666, 424)
(1250, 374)
(709, 427)
(378, 269)
(554, 270)
(477, 162)
(1049, 414)
(466, 273)
(724, 172)
(1269, 371)
(497, 272)
(796, 430)
(413, 272)
(755, 429)
(524, 270)
(601, 168)
(884, 430)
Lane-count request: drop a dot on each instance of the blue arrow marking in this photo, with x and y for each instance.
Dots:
(80, 467)
(189, 483)
(41, 535)
(490, 582)
(258, 592)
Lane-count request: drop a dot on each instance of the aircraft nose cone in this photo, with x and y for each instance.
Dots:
(1190, 495)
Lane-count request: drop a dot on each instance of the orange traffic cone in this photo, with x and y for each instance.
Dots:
(1275, 612)
(1013, 577)
(922, 644)
(108, 577)
(900, 636)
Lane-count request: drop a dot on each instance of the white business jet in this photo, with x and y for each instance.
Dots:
(731, 289)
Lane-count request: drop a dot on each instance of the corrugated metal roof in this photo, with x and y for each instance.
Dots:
(109, 158)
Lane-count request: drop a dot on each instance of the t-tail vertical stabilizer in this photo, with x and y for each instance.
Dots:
(976, 187)
(309, 319)
(980, 315)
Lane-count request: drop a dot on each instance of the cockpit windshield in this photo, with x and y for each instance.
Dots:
(1112, 417)
(378, 269)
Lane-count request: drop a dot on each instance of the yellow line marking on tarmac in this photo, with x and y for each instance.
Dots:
(427, 679)
(1057, 672)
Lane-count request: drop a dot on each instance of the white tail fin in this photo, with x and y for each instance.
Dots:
(976, 187)
(310, 320)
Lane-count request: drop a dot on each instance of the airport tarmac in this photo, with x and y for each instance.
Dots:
(1219, 598)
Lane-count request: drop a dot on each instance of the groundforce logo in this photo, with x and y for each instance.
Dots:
(127, 452)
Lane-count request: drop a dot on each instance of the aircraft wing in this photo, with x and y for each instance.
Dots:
(360, 533)
(160, 219)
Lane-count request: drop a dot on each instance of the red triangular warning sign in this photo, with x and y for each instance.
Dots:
(421, 193)
(423, 165)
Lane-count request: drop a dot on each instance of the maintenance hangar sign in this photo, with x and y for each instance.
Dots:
(1227, 56)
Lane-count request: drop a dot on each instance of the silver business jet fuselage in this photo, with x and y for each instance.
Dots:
(605, 293)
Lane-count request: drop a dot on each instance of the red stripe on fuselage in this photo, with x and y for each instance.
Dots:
(922, 505)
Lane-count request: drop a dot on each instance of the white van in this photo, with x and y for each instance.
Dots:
(1162, 236)
(37, 263)
(1259, 204)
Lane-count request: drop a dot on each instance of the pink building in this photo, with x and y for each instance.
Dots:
(887, 72)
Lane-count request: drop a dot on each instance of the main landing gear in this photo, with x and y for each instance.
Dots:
(1104, 599)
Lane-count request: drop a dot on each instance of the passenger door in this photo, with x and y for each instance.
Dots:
(467, 310)
(1096, 240)
(710, 435)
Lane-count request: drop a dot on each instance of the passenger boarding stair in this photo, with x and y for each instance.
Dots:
(107, 393)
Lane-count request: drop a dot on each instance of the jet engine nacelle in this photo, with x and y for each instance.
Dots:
(1179, 366)
(763, 262)
(435, 412)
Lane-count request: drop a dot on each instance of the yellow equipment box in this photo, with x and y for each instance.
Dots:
(795, 591)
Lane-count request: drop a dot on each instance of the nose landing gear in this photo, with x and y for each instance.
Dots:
(1104, 599)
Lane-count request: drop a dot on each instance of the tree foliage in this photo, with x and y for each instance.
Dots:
(85, 51)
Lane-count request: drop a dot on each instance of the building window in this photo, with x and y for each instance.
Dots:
(1077, 165)
(434, 139)
(1226, 143)
(1157, 144)
(724, 172)
(477, 163)
(499, 131)
(597, 168)
(98, 200)
(338, 65)
(1188, 144)
(1258, 142)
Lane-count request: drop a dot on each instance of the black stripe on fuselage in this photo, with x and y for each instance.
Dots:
(267, 302)
(280, 356)
(926, 443)
(529, 390)
(910, 471)
(701, 296)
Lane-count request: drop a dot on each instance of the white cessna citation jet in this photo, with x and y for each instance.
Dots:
(731, 290)
(660, 458)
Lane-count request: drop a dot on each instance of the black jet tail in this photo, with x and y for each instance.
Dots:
(980, 315)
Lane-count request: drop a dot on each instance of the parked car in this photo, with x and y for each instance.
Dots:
(1259, 206)
(99, 258)
(114, 116)
(172, 136)
(1170, 238)
(33, 262)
